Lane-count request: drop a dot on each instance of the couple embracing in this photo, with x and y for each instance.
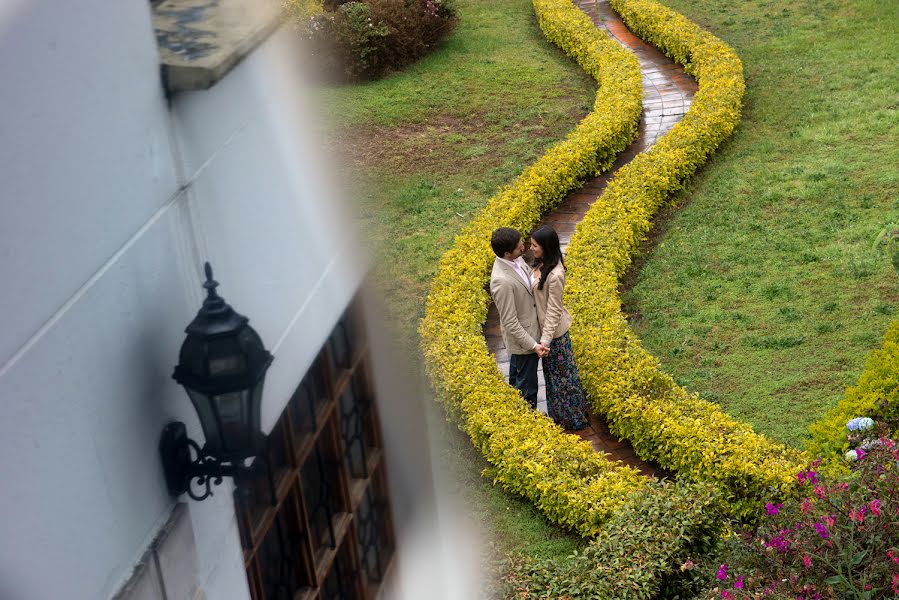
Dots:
(534, 322)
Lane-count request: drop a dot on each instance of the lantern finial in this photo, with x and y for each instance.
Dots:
(210, 283)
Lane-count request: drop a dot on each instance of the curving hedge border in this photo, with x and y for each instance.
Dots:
(666, 425)
(878, 382)
(562, 475)
(573, 486)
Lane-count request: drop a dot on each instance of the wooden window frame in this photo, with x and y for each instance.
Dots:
(289, 452)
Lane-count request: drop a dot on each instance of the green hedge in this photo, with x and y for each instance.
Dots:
(637, 555)
(666, 425)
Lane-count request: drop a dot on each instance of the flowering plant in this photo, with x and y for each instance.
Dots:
(837, 539)
(860, 424)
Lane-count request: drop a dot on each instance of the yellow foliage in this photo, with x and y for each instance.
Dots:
(300, 11)
(878, 382)
(666, 425)
(530, 455)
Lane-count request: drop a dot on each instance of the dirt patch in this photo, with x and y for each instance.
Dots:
(445, 143)
(438, 144)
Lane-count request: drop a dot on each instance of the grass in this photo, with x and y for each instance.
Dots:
(425, 149)
(762, 292)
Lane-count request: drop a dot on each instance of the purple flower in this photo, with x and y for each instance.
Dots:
(773, 508)
(722, 573)
(822, 530)
(739, 584)
(780, 542)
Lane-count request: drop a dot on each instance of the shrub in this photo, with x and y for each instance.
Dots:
(839, 538)
(569, 482)
(365, 39)
(876, 394)
(300, 11)
(644, 550)
(666, 425)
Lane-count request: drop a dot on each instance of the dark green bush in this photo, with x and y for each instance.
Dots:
(645, 551)
(362, 40)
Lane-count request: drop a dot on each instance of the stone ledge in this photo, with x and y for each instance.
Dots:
(201, 40)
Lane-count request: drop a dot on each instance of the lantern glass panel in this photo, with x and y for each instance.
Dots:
(226, 357)
(233, 414)
(206, 412)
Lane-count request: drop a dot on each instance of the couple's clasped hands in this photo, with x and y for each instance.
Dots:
(541, 349)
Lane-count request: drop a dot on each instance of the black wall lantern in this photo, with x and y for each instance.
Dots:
(222, 366)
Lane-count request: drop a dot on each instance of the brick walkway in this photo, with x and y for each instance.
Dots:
(667, 93)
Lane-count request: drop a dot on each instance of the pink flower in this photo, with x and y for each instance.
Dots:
(806, 505)
(893, 556)
(726, 595)
(861, 454)
(857, 515)
(830, 520)
(739, 584)
(721, 575)
(874, 505)
(896, 583)
(807, 561)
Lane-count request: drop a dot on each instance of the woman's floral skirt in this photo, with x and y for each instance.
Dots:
(565, 400)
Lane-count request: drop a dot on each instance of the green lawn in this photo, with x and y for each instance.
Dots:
(762, 292)
(429, 146)
(425, 149)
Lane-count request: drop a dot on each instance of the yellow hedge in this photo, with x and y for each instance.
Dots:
(531, 456)
(878, 382)
(666, 425)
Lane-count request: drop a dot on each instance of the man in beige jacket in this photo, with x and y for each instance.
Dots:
(511, 288)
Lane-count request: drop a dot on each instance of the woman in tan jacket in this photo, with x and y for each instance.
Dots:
(564, 395)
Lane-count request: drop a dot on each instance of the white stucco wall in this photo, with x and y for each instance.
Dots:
(100, 264)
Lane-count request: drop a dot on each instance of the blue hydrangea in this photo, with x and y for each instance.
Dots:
(860, 424)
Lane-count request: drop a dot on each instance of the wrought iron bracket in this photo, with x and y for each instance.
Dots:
(183, 462)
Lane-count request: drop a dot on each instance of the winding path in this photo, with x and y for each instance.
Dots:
(667, 93)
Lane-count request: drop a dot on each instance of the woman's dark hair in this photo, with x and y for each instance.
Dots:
(548, 239)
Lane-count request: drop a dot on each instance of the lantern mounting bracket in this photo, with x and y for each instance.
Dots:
(181, 468)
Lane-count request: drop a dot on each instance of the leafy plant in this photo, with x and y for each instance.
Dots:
(888, 241)
(359, 40)
(839, 538)
(644, 551)
(876, 394)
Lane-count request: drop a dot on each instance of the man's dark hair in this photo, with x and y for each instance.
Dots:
(504, 239)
